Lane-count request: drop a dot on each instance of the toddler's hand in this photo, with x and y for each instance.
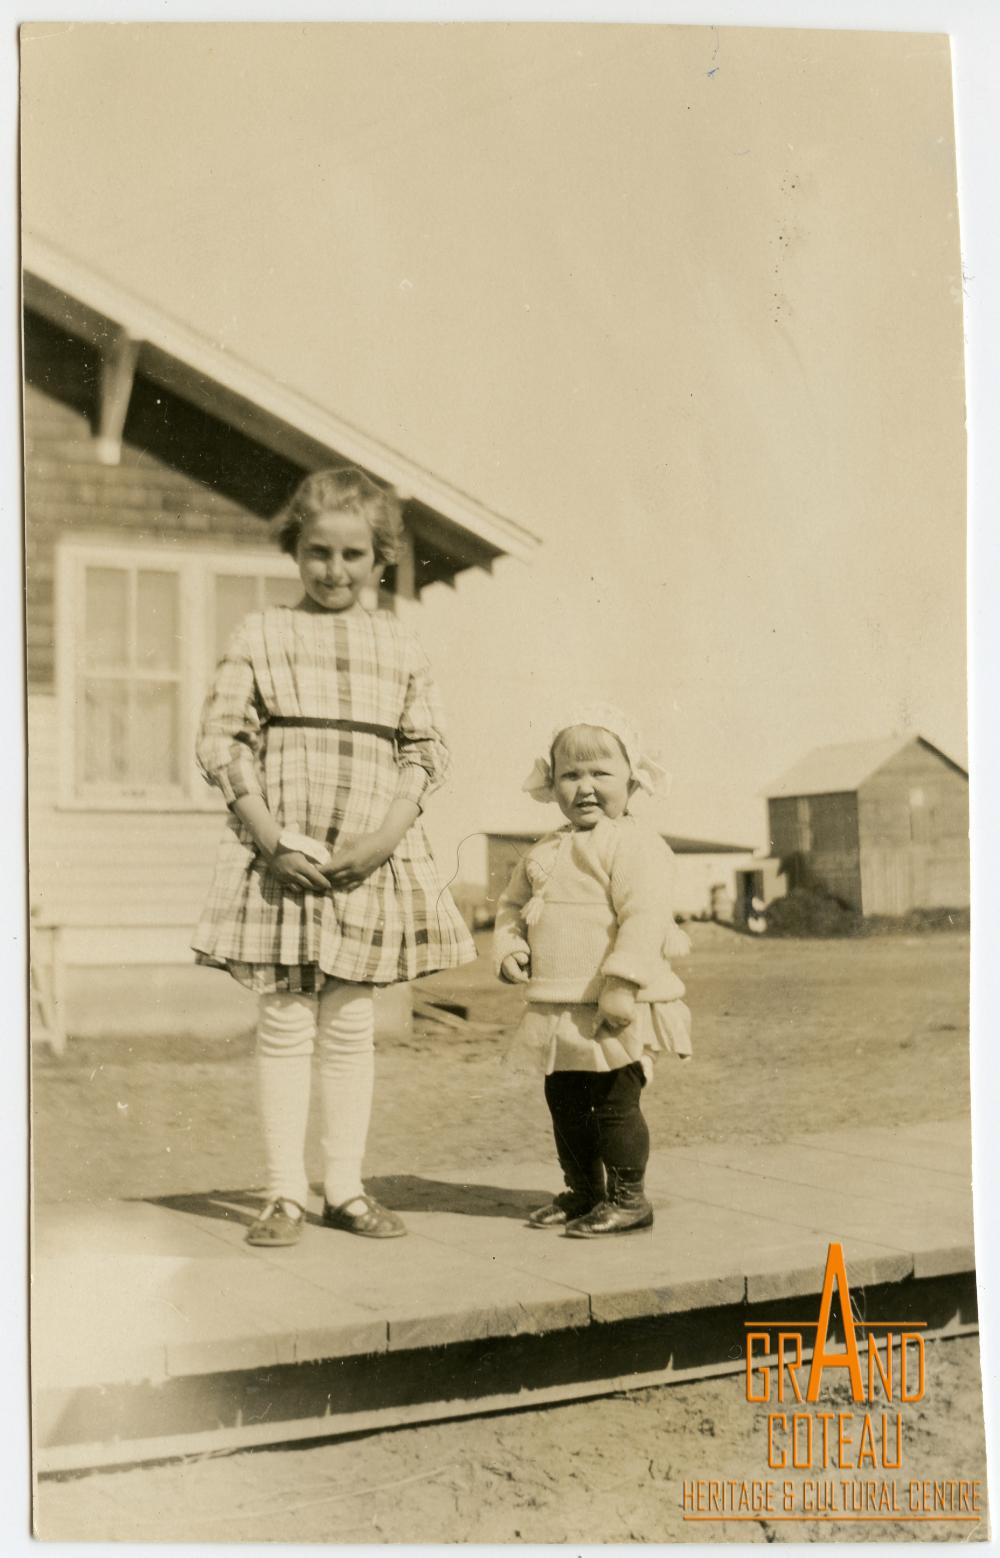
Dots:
(616, 1003)
(514, 968)
(349, 866)
(294, 869)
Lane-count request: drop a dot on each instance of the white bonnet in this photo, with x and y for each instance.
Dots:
(647, 774)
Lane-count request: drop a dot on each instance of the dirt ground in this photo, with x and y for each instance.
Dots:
(789, 1037)
(607, 1470)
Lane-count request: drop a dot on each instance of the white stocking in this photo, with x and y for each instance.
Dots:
(346, 1077)
(285, 1031)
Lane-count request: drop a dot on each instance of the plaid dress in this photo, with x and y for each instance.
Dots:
(333, 784)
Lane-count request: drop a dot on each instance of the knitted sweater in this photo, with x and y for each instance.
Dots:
(588, 904)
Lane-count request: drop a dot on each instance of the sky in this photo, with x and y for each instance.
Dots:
(685, 302)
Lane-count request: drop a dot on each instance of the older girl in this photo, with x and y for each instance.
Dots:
(324, 734)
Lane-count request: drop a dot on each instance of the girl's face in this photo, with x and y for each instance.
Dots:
(589, 787)
(336, 560)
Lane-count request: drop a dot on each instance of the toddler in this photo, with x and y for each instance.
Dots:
(587, 925)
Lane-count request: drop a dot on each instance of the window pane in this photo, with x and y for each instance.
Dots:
(155, 730)
(282, 592)
(157, 607)
(106, 617)
(235, 595)
(104, 732)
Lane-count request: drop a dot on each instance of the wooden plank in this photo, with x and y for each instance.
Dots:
(687, 1261)
(431, 1012)
(204, 1302)
(219, 1412)
(891, 1184)
(427, 1294)
(915, 1147)
(795, 1269)
(834, 1213)
(470, 1270)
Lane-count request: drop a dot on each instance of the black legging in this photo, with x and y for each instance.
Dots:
(596, 1118)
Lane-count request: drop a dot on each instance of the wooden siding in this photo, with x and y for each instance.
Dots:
(138, 878)
(126, 886)
(914, 830)
(816, 839)
(784, 827)
(900, 843)
(203, 484)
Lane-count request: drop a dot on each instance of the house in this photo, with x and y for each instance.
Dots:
(881, 825)
(153, 461)
(705, 879)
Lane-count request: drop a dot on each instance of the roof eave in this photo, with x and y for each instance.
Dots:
(68, 292)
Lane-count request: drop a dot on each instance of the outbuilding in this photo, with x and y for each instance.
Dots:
(881, 825)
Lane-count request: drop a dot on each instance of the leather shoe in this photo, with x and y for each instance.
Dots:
(562, 1209)
(606, 1217)
(280, 1223)
(375, 1222)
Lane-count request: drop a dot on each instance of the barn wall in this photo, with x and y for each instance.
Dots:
(914, 831)
(783, 821)
(816, 838)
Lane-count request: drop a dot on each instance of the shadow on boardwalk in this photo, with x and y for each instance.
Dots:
(401, 1192)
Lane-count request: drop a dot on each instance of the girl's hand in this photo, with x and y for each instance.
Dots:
(297, 870)
(514, 968)
(349, 866)
(616, 1003)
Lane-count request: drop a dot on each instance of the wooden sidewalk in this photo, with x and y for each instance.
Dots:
(157, 1331)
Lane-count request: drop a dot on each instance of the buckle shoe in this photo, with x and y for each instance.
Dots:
(375, 1222)
(279, 1223)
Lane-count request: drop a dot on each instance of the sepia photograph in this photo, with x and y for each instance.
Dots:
(495, 547)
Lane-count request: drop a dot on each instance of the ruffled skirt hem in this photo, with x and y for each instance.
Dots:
(569, 1037)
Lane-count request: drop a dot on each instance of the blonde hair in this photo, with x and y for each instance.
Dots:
(584, 743)
(340, 490)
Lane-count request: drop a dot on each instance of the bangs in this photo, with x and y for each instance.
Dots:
(585, 743)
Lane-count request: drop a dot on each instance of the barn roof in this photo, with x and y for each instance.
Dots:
(86, 303)
(836, 769)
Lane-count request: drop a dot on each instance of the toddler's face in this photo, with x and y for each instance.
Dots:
(336, 560)
(589, 788)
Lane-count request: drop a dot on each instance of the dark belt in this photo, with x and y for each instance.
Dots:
(307, 722)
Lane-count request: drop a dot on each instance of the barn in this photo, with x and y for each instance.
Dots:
(881, 825)
(153, 462)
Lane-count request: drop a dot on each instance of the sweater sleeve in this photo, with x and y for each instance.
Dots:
(422, 755)
(230, 732)
(641, 895)
(509, 929)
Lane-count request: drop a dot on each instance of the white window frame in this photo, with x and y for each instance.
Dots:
(196, 566)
